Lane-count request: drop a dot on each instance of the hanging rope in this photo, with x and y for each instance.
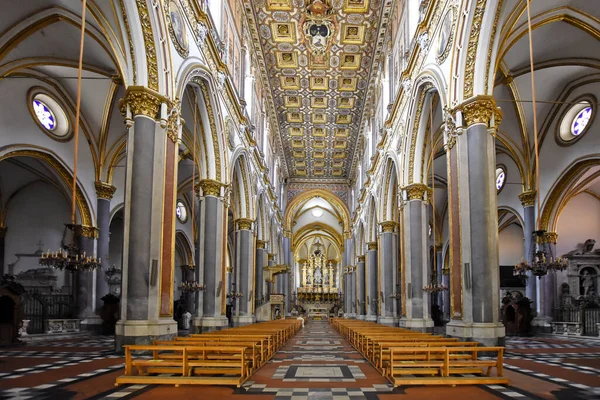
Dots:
(77, 111)
(535, 129)
(432, 182)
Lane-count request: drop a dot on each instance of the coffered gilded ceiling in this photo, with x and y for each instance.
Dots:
(318, 56)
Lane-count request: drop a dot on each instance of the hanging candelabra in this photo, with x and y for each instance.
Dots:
(234, 295)
(434, 286)
(69, 256)
(541, 263)
(191, 286)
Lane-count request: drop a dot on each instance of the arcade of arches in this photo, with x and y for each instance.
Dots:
(239, 161)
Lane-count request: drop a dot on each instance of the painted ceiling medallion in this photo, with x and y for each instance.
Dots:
(319, 24)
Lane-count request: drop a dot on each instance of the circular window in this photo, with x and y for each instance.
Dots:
(50, 116)
(576, 121)
(500, 178)
(181, 212)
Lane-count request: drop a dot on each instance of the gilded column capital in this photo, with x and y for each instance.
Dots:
(550, 237)
(481, 110)
(244, 223)
(416, 191)
(361, 258)
(85, 231)
(261, 244)
(438, 247)
(528, 198)
(210, 187)
(347, 235)
(302, 261)
(287, 233)
(388, 226)
(271, 256)
(3, 230)
(104, 190)
(142, 101)
(372, 246)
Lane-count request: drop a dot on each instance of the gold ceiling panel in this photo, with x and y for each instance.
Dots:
(296, 131)
(343, 119)
(349, 61)
(294, 117)
(346, 102)
(347, 84)
(319, 132)
(279, 5)
(287, 59)
(283, 32)
(319, 118)
(356, 6)
(291, 101)
(342, 132)
(318, 102)
(353, 34)
(319, 83)
(290, 82)
(318, 57)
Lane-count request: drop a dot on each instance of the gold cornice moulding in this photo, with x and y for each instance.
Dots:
(104, 190)
(210, 187)
(416, 191)
(527, 198)
(481, 110)
(142, 101)
(388, 226)
(244, 223)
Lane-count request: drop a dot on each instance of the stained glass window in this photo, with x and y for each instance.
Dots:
(44, 115)
(500, 178)
(581, 120)
(181, 212)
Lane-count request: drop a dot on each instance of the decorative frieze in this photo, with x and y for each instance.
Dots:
(528, 198)
(104, 190)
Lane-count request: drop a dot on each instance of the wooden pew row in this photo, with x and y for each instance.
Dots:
(226, 357)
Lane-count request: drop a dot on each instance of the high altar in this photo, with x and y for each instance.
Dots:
(318, 280)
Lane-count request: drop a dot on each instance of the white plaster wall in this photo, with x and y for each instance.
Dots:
(511, 246)
(38, 213)
(513, 187)
(115, 244)
(579, 221)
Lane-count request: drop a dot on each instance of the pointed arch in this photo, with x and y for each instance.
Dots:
(301, 199)
(241, 185)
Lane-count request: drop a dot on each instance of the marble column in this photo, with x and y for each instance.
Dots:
(149, 212)
(244, 269)
(476, 160)
(361, 297)
(371, 282)
(528, 201)
(347, 294)
(287, 289)
(261, 264)
(210, 312)
(271, 280)
(354, 291)
(104, 193)
(3, 230)
(418, 315)
(439, 260)
(387, 271)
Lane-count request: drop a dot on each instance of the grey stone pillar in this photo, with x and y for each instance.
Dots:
(347, 295)
(446, 294)
(354, 293)
(387, 272)
(211, 269)
(104, 192)
(371, 282)
(3, 230)
(439, 260)
(528, 201)
(287, 289)
(261, 264)
(479, 224)
(148, 219)
(549, 281)
(244, 269)
(361, 296)
(417, 260)
(85, 299)
(271, 282)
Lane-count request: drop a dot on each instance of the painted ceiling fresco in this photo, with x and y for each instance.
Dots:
(318, 56)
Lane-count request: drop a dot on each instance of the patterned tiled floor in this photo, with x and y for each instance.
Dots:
(316, 364)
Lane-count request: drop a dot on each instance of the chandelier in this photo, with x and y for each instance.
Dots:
(234, 295)
(541, 263)
(69, 256)
(434, 286)
(191, 286)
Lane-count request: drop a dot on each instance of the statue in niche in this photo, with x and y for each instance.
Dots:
(318, 276)
(587, 283)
